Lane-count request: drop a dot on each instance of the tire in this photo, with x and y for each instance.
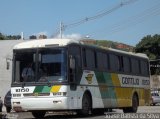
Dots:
(154, 104)
(0, 109)
(98, 111)
(134, 107)
(86, 105)
(38, 114)
(8, 109)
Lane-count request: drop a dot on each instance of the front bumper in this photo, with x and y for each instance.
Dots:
(26, 104)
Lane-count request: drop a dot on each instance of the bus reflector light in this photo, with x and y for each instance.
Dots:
(57, 101)
(16, 103)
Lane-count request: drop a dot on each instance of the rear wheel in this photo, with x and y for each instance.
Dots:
(38, 114)
(134, 107)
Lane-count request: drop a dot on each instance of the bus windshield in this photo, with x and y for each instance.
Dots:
(41, 65)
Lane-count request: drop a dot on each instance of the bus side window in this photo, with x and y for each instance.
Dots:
(135, 66)
(120, 62)
(126, 64)
(84, 57)
(90, 58)
(100, 61)
(144, 68)
(114, 62)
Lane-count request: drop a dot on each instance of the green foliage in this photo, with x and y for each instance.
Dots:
(32, 37)
(149, 45)
(9, 37)
(2, 37)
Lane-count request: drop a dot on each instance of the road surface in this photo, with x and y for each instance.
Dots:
(144, 112)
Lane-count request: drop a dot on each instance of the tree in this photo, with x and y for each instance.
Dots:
(2, 37)
(13, 37)
(32, 37)
(150, 45)
(9, 37)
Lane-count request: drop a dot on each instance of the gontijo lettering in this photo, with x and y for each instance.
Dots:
(130, 81)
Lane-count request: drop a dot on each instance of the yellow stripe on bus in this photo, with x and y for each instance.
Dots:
(122, 94)
(55, 88)
(115, 79)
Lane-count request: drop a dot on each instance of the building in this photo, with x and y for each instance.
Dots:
(6, 47)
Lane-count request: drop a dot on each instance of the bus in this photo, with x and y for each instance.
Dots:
(69, 75)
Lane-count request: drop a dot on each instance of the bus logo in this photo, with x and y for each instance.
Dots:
(89, 78)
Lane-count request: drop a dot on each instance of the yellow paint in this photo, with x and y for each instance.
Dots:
(118, 89)
(55, 88)
(115, 79)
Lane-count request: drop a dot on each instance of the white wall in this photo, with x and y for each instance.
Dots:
(6, 47)
(155, 82)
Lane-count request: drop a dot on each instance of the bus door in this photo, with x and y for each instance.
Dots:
(75, 71)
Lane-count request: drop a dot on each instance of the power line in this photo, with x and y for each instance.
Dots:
(102, 14)
(97, 16)
(132, 21)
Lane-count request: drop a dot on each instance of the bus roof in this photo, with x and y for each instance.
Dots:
(41, 43)
(129, 53)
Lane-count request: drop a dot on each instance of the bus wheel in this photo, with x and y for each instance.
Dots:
(135, 104)
(86, 105)
(134, 107)
(38, 114)
(8, 109)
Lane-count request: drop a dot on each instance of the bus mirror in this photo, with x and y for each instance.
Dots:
(72, 62)
(8, 63)
(7, 67)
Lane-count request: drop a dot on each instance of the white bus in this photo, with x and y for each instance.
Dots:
(71, 76)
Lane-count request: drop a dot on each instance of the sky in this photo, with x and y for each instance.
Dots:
(126, 24)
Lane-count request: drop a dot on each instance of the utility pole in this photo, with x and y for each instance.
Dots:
(61, 29)
(22, 36)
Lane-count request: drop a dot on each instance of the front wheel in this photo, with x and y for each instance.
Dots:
(8, 109)
(86, 105)
(38, 114)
